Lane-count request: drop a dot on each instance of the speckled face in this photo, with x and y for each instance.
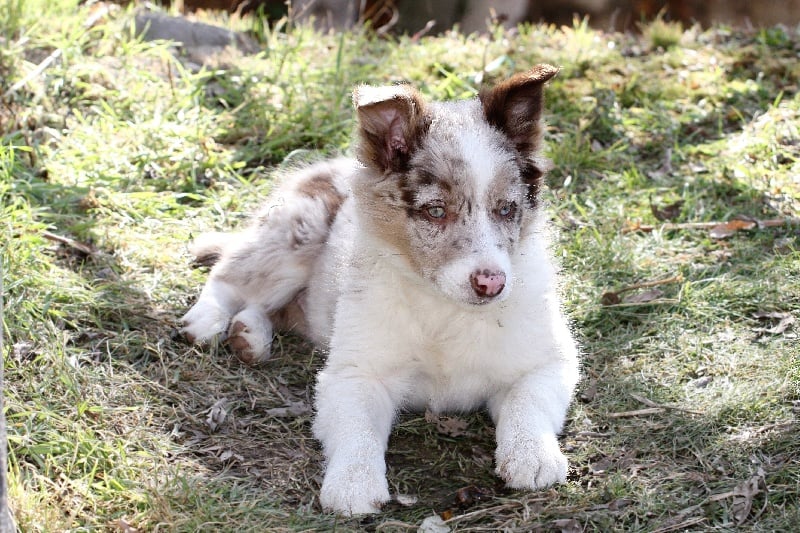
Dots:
(455, 190)
(464, 203)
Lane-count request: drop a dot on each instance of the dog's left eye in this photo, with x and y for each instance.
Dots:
(506, 209)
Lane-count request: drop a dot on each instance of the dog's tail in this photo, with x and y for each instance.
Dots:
(209, 247)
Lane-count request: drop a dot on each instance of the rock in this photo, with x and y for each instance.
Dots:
(198, 40)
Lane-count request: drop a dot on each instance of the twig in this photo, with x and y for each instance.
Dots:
(55, 54)
(34, 73)
(682, 525)
(650, 403)
(72, 243)
(586, 435)
(612, 298)
(671, 226)
(654, 283)
(637, 412)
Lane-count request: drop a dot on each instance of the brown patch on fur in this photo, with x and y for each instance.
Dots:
(206, 260)
(321, 187)
(291, 317)
(239, 345)
(387, 219)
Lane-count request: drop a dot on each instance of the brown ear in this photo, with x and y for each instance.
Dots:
(391, 124)
(515, 108)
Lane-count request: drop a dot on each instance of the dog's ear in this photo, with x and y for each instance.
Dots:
(391, 124)
(515, 108)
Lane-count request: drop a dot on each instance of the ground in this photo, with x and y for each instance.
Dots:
(675, 197)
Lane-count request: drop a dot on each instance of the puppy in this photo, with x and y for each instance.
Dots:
(422, 267)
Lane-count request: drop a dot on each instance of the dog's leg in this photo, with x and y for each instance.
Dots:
(528, 416)
(212, 312)
(354, 418)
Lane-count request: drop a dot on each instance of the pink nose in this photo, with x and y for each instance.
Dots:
(486, 283)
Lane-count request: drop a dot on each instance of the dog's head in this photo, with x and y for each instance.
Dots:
(451, 187)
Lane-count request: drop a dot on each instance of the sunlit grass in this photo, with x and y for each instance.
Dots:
(117, 152)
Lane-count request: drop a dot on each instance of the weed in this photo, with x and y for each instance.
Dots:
(661, 33)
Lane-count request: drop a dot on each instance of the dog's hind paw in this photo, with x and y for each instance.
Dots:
(534, 464)
(250, 336)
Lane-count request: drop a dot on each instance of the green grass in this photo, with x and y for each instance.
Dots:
(113, 156)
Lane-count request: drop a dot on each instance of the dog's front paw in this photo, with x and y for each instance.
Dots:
(354, 488)
(531, 464)
(203, 322)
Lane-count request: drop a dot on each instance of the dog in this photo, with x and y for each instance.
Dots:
(422, 267)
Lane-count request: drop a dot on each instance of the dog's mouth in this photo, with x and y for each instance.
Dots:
(478, 302)
(475, 301)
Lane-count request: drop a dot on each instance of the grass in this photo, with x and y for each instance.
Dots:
(113, 156)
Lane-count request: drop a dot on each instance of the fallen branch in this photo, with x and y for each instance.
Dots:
(72, 243)
(650, 403)
(613, 298)
(637, 412)
(34, 73)
(734, 224)
(55, 54)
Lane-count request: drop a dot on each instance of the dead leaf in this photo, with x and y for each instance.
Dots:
(406, 500)
(619, 503)
(782, 326)
(632, 225)
(668, 212)
(123, 526)
(763, 315)
(293, 409)
(643, 297)
(743, 496)
(735, 225)
(434, 524)
(589, 392)
(726, 229)
(480, 456)
(745, 493)
(448, 425)
(469, 496)
(568, 525)
(217, 414)
(601, 466)
(22, 351)
(785, 320)
(228, 454)
(610, 298)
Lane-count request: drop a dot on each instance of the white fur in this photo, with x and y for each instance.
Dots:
(395, 344)
(404, 326)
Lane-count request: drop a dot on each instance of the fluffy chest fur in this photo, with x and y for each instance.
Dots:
(442, 353)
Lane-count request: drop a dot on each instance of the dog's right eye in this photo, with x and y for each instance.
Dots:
(436, 211)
